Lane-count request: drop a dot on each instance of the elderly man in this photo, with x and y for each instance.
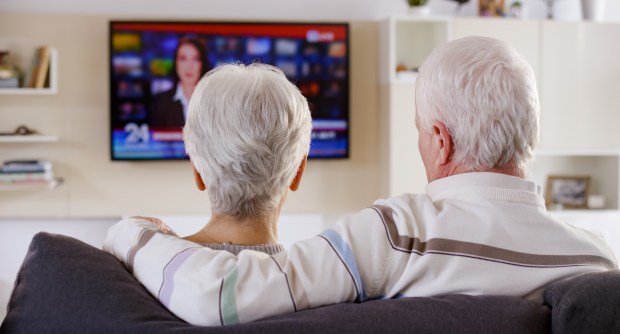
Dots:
(481, 227)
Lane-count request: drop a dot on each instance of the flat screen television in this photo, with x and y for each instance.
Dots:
(147, 96)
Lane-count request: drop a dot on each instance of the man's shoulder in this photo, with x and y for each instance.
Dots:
(408, 202)
(405, 209)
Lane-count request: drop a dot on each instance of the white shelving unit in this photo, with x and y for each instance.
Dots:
(565, 83)
(53, 81)
(28, 139)
(52, 89)
(405, 42)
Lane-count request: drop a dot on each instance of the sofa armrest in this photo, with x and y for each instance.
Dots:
(586, 303)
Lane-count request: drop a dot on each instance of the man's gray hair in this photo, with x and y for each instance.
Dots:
(247, 131)
(485, 93)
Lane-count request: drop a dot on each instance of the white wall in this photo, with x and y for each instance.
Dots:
(285, 9)
(16, 234)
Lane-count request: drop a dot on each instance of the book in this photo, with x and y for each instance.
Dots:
(9, 83)
(25, 177)
(41, 69)
(26, 166)
(26, 171)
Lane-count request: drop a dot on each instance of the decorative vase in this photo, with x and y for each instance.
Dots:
(420, 10)
(592, 9)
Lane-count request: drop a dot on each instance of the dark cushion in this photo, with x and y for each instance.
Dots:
(586, 303)
(67, 286)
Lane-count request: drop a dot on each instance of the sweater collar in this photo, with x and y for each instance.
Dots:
(492, 186)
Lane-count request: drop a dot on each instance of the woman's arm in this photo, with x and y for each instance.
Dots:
(213, 288)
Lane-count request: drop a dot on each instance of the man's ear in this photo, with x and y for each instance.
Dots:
(199, 182)
(300, 172)
(442, 141)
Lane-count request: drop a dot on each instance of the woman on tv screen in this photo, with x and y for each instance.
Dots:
(169, 108)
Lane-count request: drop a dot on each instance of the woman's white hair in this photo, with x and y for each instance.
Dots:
(485, 93)
(248, 129)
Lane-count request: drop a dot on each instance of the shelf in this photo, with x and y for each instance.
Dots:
(28, 91)
(405, 78)
(419, 18)
(28, 139)
(407, 41)
(585, 152)
(53, 81)
(55, 183)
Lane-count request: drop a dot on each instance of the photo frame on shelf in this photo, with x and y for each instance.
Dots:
(569, 192)
(491, 7)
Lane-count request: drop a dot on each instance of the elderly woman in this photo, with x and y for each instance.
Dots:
(247, 135)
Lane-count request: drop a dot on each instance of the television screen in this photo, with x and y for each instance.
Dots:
(154, 67)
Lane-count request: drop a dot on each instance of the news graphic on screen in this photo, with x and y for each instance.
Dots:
(154, 67)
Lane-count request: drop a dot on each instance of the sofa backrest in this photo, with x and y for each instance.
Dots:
(67, 286)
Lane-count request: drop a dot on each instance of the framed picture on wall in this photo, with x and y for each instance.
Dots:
(567, 192)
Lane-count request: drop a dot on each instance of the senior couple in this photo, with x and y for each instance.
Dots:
(480, 228)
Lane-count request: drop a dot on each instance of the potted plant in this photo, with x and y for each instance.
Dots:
(418, 7)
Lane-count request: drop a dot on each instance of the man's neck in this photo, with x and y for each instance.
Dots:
(451, 169)
(230, 229)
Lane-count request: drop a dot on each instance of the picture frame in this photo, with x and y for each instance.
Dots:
(491, 7)
(570, 192)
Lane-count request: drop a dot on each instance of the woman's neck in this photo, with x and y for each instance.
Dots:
(229, 229)
(188, 90)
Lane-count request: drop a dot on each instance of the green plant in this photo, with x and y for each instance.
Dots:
(415, 3)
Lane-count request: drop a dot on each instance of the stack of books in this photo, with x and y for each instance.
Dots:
(23, 172)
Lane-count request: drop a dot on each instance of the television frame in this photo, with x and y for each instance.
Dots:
(185, 157)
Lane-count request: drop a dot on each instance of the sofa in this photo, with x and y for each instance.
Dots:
(67, 286)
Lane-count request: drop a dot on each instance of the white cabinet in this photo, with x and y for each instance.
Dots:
(577, 68)
(522, 35)
(401, 168)
(580, 85)
(405, 41)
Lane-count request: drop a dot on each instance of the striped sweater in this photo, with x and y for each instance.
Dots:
(475, 233)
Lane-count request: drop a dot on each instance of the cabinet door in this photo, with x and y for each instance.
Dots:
(581, 85)
(522, 35)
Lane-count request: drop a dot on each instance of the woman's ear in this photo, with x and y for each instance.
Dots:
(198, 179)
(300, 172)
